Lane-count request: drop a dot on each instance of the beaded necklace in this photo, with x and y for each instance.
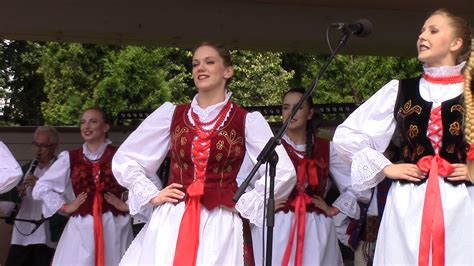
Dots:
(218, 120)
(444, 80)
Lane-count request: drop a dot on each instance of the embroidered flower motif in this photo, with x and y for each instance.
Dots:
(457, 107)
(215, 170)
(219, 157)
(185, 166)
(420, 149)
(231, 137)
(229, 168)
(184, 140)
(407, 109)
(413, 131)
(450, 148)
(176, 165)
(220, 145)
(181, 153)
(455, 128)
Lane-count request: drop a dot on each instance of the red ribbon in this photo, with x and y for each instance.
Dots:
(470, 153)
(306, 171)
(432, 222)
(97, 217)
(307, 168)
(187, 243)
(188, 236)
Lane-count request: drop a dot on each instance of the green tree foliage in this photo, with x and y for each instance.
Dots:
(20, 83)
(136, 79)
(259, 78)
(71, 72)
(59, 80)
(350, 78)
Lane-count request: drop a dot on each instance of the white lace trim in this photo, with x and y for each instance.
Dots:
(443, 71)
(347, 204)
(140, 193)
(52, 201)
(366, 168)
(98, 153)
(250, 206)
(206, 113)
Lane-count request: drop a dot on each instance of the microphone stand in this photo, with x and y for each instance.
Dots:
(268, 153)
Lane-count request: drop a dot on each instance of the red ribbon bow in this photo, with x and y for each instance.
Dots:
(188, 236)
(432, 222)
(306, 171)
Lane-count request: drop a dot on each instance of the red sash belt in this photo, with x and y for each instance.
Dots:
(97, 217)
(306, 169)
(188, 236)
(432, 222)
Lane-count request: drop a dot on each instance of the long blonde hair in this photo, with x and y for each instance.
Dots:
(469, 113)
(469, 101)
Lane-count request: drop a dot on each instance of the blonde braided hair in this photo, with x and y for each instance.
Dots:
(469, 111)
(469, 101)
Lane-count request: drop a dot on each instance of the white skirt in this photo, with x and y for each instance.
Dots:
(76, 245)
(320, 243)
(220, 238)
(399, 234)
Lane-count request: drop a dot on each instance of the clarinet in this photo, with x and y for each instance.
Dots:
(31, 170)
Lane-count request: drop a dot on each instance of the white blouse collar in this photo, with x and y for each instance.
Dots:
(298, 147)
(204, 112)
(98, 153)
(444, 71)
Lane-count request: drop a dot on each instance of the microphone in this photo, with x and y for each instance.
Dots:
(361, 27)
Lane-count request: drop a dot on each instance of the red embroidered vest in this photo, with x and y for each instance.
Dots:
(321, 155)
(225, 156)
(83, 180)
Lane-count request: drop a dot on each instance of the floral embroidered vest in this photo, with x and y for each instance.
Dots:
(321, 156)
(225, 156)
(412, 114)
(83, 180)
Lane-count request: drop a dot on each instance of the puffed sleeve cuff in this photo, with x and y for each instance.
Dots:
(341, 221)
(140, 194)
(366, 168)
(347, 204)
(250, 206)
(52, 201)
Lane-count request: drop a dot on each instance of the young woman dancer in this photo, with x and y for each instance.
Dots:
(429, 213)
(305, 233)
(213, 144)
(99, 230)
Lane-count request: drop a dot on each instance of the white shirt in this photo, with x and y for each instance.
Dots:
(31, 210)
(10, 170)
(142, 153)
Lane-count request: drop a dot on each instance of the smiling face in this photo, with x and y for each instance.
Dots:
(302, 117)
(209, 71)
(437, 44)
(93, 126)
